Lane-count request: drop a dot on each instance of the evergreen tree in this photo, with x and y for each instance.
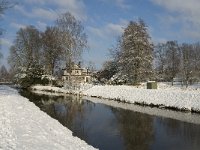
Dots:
(136, 52)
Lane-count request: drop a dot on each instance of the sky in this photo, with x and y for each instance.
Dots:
(105, 20)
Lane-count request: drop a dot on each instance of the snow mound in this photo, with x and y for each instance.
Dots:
(24, 126)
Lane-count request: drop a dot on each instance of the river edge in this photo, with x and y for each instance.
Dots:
(156, 110)
(25, 126)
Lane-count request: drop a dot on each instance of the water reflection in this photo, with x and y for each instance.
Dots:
(179, 135)
(136, 129)
(109, 128)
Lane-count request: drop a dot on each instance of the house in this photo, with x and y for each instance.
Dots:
(77, 74)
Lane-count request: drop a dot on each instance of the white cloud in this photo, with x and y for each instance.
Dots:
(76, 7)
(41, 25)
(122, 4)
(17, 25)
(185, 13)
(119, 3)
(41, 13)
(44, 14)
(21, 9)
(110, 30)
(5, 42)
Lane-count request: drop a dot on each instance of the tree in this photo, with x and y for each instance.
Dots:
(136, 53)
(160, 59)
(74, 40)
(26, 50)
(172, 59)
(25, 53)
(4, 4)
(196, 60)
(186, 62)
(4, 75)
(52, 50)
(109, 69)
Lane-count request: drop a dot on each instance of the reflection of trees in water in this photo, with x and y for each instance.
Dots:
(69, 110)
(188, 132)
(135, 128)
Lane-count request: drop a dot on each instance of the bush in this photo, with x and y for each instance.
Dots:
(28, 81)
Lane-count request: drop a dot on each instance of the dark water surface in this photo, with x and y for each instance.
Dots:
(109, 128)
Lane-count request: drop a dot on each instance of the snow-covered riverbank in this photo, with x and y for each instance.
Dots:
(164, 97)
(24, 126)
(177, 99)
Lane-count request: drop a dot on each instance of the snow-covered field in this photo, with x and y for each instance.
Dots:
(24, 126)
(165, 96)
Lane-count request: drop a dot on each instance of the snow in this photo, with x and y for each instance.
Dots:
(175, 98)
(81, 87)
(25, 126)
(166, 96)
(49, 88)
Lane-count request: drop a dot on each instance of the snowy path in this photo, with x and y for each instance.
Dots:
(24, 126)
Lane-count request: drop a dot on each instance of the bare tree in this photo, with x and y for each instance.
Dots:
(52, 49)
(196, 60)
(74, 40)
(186, 62)
(26, 50)
(172, 59)
(4, 4)
(160, 59)
(4, 75)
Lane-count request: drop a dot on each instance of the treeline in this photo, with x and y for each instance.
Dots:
(5, 75)
(175, 60)
(136, 59)
(35, 53)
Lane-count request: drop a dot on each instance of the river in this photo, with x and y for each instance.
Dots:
(115, 128)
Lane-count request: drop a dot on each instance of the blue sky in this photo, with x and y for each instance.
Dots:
(104, 21)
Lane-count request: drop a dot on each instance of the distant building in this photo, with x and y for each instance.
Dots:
(77, 74)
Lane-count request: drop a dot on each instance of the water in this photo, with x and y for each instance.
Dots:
(110, 128)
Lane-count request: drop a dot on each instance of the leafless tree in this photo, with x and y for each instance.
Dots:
(172, 59)
(74, 39)
(196, 60)
(186, 62)
(160, 60)
(4, 75)
(26, 50)
(4, 4)
(52, 49)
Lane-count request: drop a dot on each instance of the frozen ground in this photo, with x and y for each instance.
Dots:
(165, 96)
(24, 127)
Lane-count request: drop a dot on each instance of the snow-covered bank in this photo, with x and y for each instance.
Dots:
(24, 126)
(52, 89)
(166, 96)
(178, 99)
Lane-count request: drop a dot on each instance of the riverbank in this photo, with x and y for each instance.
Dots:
(176, 98)
(25, 126)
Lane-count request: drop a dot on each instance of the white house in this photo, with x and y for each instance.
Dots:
(77, 74)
